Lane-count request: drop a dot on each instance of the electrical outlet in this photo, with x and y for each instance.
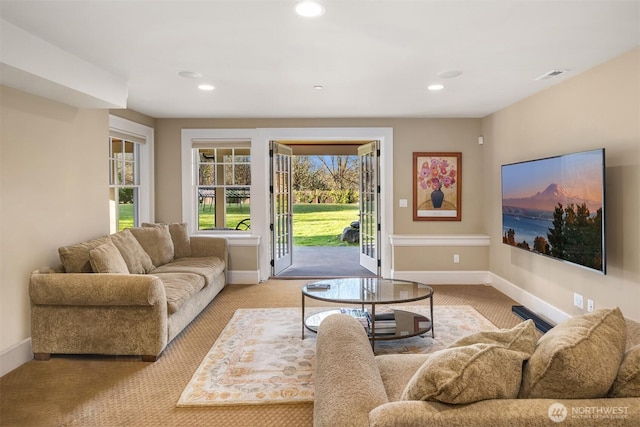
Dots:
(578, 301)
(590, 305)
(456, 259)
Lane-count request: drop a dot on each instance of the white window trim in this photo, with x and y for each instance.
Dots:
(260, 209)
(189, 136)
(146, 190)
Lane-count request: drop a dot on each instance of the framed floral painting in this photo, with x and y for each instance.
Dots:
(437, 186)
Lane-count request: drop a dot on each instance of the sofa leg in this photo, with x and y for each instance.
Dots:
(42, 356)
(149, 358)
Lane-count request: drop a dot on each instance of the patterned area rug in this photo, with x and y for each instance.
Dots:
(260, 357)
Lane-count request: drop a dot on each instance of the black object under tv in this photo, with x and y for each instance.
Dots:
(556, 207)
(524, 313)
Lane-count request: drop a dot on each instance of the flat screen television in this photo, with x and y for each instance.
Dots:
(555, 207)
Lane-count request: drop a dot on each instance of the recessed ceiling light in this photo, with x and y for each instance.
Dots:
(435, 87)
(190, 74)
(206, 87)
(318, 87)
(449, 74)
(309, 9)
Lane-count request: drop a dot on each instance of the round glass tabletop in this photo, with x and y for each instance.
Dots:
(367, 290)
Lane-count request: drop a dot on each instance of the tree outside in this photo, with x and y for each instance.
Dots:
(325, 179)
(326, 190)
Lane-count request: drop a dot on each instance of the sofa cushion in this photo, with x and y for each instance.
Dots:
(107, 259)
(627, 382)
(138, 261)
(207, 267)
(468, 374)
(75, 258)
(522, 337)
(179, 288)
(156, 241)
(578, 359)
(450, 375)
(179, 237)
(397, 369)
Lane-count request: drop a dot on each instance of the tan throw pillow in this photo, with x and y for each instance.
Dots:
(521, 337)
(179, 237)
(138, 261)
(627, 383)
(156, 241)
(75, 258)
(468, 374)
(107, 259)
(578, 359)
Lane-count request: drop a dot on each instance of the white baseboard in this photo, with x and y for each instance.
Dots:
(243, 277)
(443, 277)
(15, 356)
(532, 302)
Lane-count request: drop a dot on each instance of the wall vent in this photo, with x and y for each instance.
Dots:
(551, 74)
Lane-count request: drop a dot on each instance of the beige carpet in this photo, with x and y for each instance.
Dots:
(123, 391)
(261, 358)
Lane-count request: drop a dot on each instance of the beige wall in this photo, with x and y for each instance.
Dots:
(134, 116)
(53, 184)
(598, 108)
(409, 135)
(440, 258)
(53, 192)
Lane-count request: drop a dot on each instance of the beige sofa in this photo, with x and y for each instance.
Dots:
(585, 371)
(130, 293)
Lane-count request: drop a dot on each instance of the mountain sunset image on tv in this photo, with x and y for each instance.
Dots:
(555, 207)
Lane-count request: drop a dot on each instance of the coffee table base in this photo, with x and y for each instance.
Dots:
(405, 324)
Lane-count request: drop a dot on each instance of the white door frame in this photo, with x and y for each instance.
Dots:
(260, 152)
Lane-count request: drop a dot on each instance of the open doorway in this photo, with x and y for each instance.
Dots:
(325, 188)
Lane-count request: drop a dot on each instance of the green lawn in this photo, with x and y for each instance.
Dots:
(125, 216)
(235, 213)
(313, 224)
(322, 224)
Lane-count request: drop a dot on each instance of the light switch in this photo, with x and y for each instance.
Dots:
(403, 203)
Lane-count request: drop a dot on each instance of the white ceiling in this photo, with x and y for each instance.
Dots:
(374, 58)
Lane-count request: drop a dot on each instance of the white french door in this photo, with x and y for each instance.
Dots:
(281, 207)
(368, 155)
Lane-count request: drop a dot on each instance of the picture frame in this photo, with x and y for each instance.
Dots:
(437, 186)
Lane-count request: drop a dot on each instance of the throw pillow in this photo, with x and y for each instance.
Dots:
(468, 374)
(138, 261)
(107, 259)
(156, 241)
(521, 337)
(627, 383)
(578, 359)
(179, 237)
(75, 258)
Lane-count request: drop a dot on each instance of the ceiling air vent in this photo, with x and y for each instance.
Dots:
(551, 74)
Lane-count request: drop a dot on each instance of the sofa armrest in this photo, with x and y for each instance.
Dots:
(88, 313)
(204, 246)
(509, 412)
(96, 289)
(348, 383)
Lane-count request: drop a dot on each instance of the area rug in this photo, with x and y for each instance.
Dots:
(260, 358)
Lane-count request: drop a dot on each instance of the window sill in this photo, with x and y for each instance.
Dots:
(235, 238)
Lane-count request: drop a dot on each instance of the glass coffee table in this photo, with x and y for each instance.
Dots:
(367, 294)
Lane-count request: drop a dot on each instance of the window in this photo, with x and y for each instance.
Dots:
(130, 174)
(124, 184)
(223, 189)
